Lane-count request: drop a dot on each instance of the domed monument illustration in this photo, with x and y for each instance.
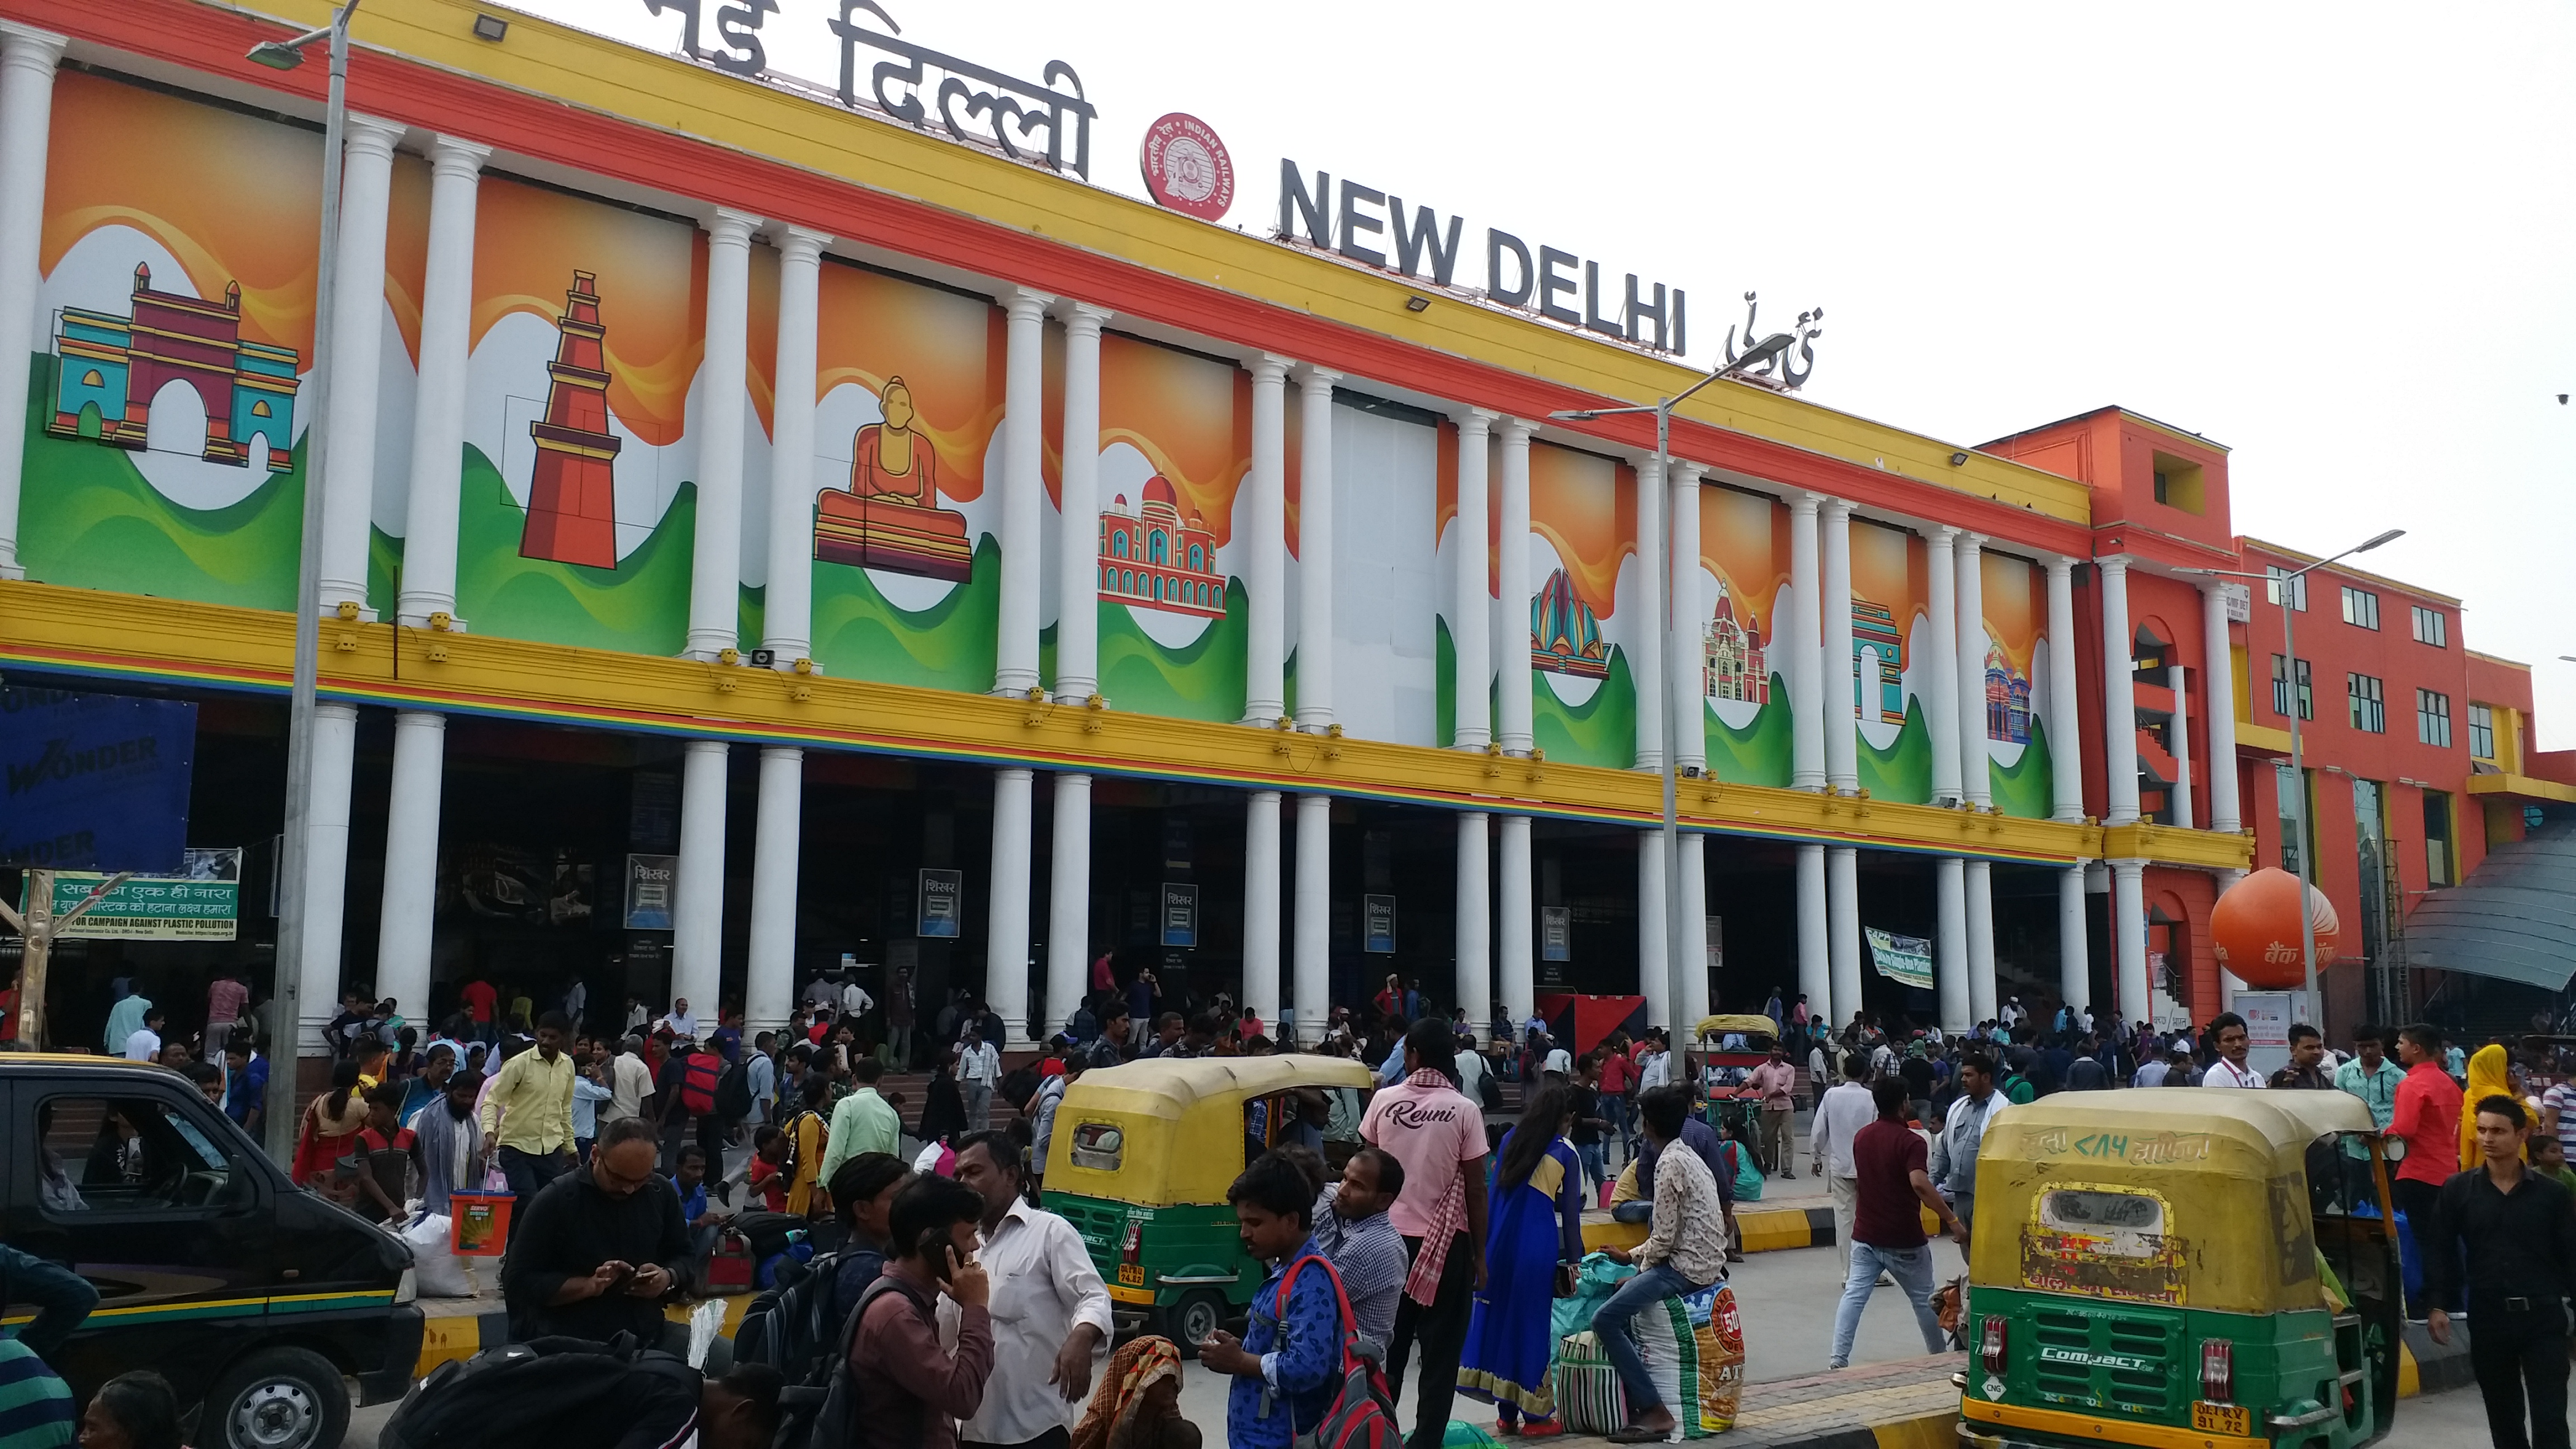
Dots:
(1154, 560)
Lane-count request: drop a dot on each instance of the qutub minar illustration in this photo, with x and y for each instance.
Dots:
(572, 495)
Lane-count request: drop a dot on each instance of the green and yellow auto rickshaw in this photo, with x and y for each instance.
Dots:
(1141, 1159)
(2182, 1270)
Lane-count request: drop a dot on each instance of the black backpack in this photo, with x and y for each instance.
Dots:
(826, 1415)
(790, 1327)
(547, 1390)
(733, 1093)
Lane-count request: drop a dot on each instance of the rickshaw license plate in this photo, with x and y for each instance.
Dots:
(1131, 1274)
(2209, 1418)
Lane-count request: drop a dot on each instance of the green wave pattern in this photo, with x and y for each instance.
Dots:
(2029, 787)
(384, 571)
(858, 634)
(1903, 771)
(88, 520)
(1600, 731)
(1202, 680)
(1761, 752)
(639, 607)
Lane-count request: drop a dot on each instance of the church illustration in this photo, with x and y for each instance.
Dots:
(1154, 560)
(2007, 698)
(110, 368)
(889, 517)
(1874, 631)
(1734, 667)
(1565, 635)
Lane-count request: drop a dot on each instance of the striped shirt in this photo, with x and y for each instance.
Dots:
(1370, 1256)
(36, 1408)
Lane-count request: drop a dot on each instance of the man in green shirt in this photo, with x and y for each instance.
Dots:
(863, 1121)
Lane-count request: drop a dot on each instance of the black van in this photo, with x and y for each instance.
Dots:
(255, 1298)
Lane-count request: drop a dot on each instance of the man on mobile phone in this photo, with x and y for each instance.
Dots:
(601, 1247)
(917, 1391)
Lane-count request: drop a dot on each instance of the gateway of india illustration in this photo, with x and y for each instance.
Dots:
(110, 368)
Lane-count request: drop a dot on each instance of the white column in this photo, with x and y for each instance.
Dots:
(27, 60)
(2129, 935)
(1315, 549)
(2218, 706)
(1950, 939)
(411, 861)
(2119, 696)
(1261, 898)
(1815, 967)
(697, 901)
(1077, 560)
(1015, 651)
(1842, 906)
(1978, 886)
(438, 407)
(357, 324)
(1471, 609)
(2074, 957)
(1976, 780)
(1805, 677)
(1006, 940)
(777, 846)
(787, 603)
(1068, 953)
(1310, 930)
(715, 561)
(1687, 658)
(1690, 973)
(1941, 712)
(1654, 953)
(1647, 659)
(326, 872)
(1518, 921)
(1475, 973)
(1511, 647)
(1841, 716)
(1265, 568)
(2065, 718)
(2181, 734)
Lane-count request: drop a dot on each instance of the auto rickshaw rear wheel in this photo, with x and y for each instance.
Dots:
(277, 1398)
(1198, 1313)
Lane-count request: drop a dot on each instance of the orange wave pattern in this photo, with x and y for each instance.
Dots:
(1189, 416)
(949, 350)
(1586, 505)
(652, 290)
(2016, 597)
(1893, 568)
(407, 248)
(1744, 539)
(233, 197)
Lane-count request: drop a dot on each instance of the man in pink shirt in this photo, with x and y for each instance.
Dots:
(1439, 1136)
(1777, 1081)
(2427, 1119)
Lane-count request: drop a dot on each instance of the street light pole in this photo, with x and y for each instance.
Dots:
(278, 1114)
(1761, 352)
(2287, 587)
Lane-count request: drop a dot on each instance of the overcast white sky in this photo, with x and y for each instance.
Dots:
(2334, 238)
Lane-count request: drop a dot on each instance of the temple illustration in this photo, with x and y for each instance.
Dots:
(2007, 698)
(1734, 667)
(1874, 631)
(109, 368)
(1153, 560)
(889, 517)
(572, 494)
(1565, 635)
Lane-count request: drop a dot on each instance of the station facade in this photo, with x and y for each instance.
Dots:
(757, 529)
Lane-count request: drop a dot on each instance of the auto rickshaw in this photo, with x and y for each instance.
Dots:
(2183, 1270)
(1140, 1162)
(1723, 1068)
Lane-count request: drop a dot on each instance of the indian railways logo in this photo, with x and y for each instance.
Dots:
(1186, 167)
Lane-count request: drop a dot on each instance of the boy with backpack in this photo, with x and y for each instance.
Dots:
(1297, 1370)
(688, 1092)
(909, 1392)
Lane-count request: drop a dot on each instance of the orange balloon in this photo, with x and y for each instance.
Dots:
(2255, 930)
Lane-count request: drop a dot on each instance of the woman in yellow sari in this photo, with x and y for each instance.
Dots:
(2490, 1075)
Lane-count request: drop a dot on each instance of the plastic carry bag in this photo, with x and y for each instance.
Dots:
(1595, 1280)
(436, 1268)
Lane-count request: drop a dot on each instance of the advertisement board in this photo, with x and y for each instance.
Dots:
(1180, 914)
(942, 901)
(1379, 915)
(202, 903)
(649, 882)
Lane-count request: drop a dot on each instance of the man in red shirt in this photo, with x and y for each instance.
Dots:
(479, 1000)
(1887, 1230)
(1618, 1079)
(2427, 1119)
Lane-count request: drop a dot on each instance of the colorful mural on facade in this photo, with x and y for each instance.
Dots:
(1176, 443)
(164, 444)
(1744, 581)
(1891, 583)
(2016, 604)
(1583, 559)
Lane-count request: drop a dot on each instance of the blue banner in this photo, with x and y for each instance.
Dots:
(95, 781)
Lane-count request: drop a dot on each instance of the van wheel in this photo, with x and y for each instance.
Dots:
(278, 1398)
(1200, 1312)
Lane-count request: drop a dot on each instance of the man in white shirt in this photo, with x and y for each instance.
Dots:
(2227, 1032)
(1953, 1162)
(1558, 1061)
(979, 1070)
(855, 1000)
(1839, 1117)
(629, 1083)
(1050, 1309)
(143, 1044)
(1471, 1069)
(1655, 1068)
(679, 1020)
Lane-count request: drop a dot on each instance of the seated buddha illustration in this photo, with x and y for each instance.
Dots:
(889, 517)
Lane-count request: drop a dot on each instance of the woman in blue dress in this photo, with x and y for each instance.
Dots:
(1531, 1247)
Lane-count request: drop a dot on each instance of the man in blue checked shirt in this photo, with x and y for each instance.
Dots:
(1286, 1365)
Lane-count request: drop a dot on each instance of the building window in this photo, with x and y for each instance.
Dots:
(2360, 607)
(2437, 838)
(2368, 715)
(2286, 794)
(2433, 718)
(2281, 689)
(2286, 581)
(2432, 627)
(2481, 732)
